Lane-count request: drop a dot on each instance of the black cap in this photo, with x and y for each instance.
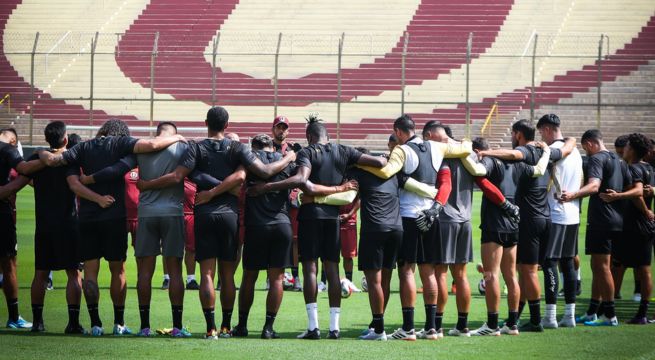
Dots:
(549, 119)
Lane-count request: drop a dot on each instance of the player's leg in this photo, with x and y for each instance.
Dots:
(39, 284)
(463, 295)
(508, 268)
(430, 292)
(190, 253)
(492, 253)
(145, 271)
(92, 293)
(646, 282)
(276, 257)
(207, 294)
(441, 274)
(172, 233)
(226, 272)
(273, 301)
(73, 298)
(618, 272)
(228, 252)
(118, 293)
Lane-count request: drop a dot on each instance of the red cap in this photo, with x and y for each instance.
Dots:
(281, 120)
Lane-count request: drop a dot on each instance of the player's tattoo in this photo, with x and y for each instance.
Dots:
(91, 292)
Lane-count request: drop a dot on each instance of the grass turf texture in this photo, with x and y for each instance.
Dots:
(626, 341)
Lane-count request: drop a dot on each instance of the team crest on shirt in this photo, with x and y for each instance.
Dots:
(134, 175)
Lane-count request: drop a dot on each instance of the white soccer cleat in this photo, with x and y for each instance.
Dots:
(457, 332)
(567, 322)
(372, 335)
(354, 287)
(636, 297)
(401, 334)
(549, 323)
(427, 334)
(506, 330)
(485, 330)
(322, 287)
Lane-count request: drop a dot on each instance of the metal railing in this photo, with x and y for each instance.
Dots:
(338, 73)
(487, 121)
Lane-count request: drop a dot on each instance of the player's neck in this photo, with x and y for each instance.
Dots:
(218, 135)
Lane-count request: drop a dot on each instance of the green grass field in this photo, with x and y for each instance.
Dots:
(612, 343)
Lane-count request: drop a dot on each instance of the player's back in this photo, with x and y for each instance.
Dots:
(54, 202)
(566, 176)
(531, 192)
(272, 207)
(167, 201)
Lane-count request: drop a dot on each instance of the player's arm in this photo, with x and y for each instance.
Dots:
(110, 173)
(444, 185)
(542, 165)
(29, 167)
(265, 171)
(356, 205)
(421, 189)
(567, 149)
(453, 149)
(591, 187)
(635, 191)
(393, 165)
(155, 144)
(203, 180)
(229, 184)
(336, 199)
(309, 188)
(171, 179)
(503, 154)
(104, 201)
(296, 181)
(13, 187)
(373, 161)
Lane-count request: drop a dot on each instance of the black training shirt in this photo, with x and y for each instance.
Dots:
(501, 174)
(272, 207)
(532, 193)
(640, 173)
(9, 159)
(380, 202)
(613, 174)
(54, 202)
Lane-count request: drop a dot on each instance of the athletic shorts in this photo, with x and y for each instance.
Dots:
(267, 247)
(533, 237)
(190, 238)
(348, 236)
(55, 248)
(216, 236)
(456, 245)
(506, 240)
(633, 249)
(132, 225)
(379, 250)
(319, 239)
(562, 242)
(103, 239)
(160, 235)
(418, 247)
(599, 242)
(8, 243)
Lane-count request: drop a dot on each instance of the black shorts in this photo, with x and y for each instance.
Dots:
(506, 240)
(103, 239)
(268, 247)
(533, 236)
(633, 249)
(599, 242)
(456, 245)
(378, 250)
(55, 248)
(319, 238)
(216, 236)
(8, 243)
(418, 247)
(562, 242)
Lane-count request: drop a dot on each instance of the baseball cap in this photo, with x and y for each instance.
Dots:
(281, 120)
(549, 119)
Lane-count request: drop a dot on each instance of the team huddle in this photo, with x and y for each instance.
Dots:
(284, 202)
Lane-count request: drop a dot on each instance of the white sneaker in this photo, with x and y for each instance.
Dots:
(354, 287)
(372, 335)
(567, 322)
(120, 330)
(297, 285)
(427, 334)
(457, 332)
(549, 323)
(506, 330)
(485, 330)
(440, 334)
(322, 287)
(364, 284)
(636, 297)
(401, 334)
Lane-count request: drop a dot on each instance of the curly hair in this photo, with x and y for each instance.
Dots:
(315, 128)
(113, 127)
(640, 144)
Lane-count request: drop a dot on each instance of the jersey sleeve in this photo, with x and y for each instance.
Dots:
(555, 154)
(72, 155)
(595, 168)
(72, 170)
(13, 156)
(303, 158)
(244, 155)
(125, 145)
(636, 174)
(190, 157)
(115, 171)
(396, 162)
(351, 154)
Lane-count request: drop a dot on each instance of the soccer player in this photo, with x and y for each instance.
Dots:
(216, 210)
(10, 158)
(268, 240)
(531, 195)
(190, 242)
(280, 133)
(56, 235)
(634, 249)
(101, 237)
(500, 235)
(562, 245)
(322, 163)
(605, 170)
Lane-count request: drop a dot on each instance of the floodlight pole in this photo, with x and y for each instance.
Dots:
(153, 58)
(532, 94)
(32, 101)
(343, 35)
(214, 52)
(402, 73)
(600, 81)
(94, 42)
(469, 45)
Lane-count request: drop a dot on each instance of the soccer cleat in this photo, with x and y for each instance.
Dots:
(165, 284)
(297, 286)
(401, 334)
(530, 327)
(192, 285)
(440, 334)
(506, 330)
(372, 335)
(120, 330)
(485, 330)
(38, 328)
(74, 330)
(310, 334)
(334, 335)
(239, 331)
(164, 331)
(549, 323)
(585, 318)
(354, 287)
(322, 287)
(225, 333)
(268, 285)
(430, 334)
(366, 331)
(50, 286)
(603, 321)
(269, 334)
(364, 284)
(567, 322)
(97, 331)
(211, 335)
(457, 332)
(181, 333)
(19, 324)
(636, 297)
(638, 321)
(145, 332)
(578, 288)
